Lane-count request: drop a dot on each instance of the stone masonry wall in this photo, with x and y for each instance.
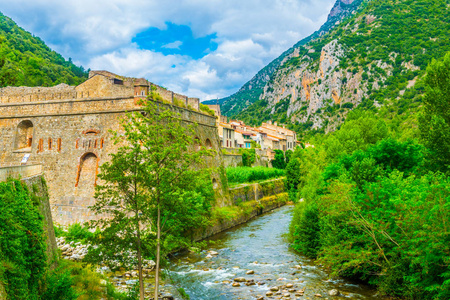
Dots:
(255, 191)
(71, 139)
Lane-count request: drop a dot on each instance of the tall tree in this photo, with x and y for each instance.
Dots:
(150, 182)
(435, 118)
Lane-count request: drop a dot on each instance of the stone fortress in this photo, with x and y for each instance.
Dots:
(66, 130)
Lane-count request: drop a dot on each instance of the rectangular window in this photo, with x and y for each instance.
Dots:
(76, 144)
(41, 145)
(49, 143)
(59, 144)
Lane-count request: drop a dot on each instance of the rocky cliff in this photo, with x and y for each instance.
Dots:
(373, 58)
(250, 92)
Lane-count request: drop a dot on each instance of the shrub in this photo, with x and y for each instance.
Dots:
(247, 174)
(207, 110)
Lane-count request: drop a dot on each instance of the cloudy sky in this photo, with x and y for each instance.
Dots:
(201, 48)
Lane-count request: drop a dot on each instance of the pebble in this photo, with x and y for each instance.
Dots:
(289, 285)
(274, 289)
(236, 284)
(250, 272)
(269, 294)
(334, 292)
(240, 279)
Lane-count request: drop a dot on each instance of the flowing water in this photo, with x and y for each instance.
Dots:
(257, 246)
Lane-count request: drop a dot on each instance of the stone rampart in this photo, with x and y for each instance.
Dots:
(71, 138)
(20, 171)
(25, 94)
(231, 160)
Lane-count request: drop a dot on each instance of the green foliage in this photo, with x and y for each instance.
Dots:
(153, 182)
(22, 242)
(59, 286)
(248, 157)
(373, 216)
(77, 233)
(26, 60)
(204, 108)
(435, 117)
(279, 161)
(390, 44)
(248, 174)
(305, 229)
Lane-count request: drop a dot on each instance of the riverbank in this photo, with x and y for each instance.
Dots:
(250, 200)
(254, 261)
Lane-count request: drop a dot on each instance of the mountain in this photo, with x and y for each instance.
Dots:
(252, 90)
(373, 59)
(26, 60)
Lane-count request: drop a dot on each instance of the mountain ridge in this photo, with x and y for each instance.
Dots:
(251, 91)
(374, 60)
(26, 60)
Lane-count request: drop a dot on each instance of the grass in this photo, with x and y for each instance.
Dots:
(238, 175)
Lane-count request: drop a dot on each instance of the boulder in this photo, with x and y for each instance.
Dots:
(334, 292)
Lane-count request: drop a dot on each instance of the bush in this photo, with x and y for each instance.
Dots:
(248, 157)
(279, 162)
(247, 174)
(22, 242)
(77, 233)
(204, 108)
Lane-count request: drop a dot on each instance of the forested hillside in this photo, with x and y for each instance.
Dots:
(26, 60)
(374, 202)
(374, 59)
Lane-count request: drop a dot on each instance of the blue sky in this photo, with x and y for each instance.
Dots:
(201, 48)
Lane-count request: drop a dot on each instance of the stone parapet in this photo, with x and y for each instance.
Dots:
(19, 171)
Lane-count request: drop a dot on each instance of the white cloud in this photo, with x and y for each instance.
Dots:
(98, 34)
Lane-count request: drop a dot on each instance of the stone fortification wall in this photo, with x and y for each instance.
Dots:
(25, 94)
(232, 160)
(232, 157)
(20, 171)
(71, 138)
(176, 99)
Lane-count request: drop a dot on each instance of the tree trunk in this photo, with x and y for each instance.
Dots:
(139, 255)
(158, 246)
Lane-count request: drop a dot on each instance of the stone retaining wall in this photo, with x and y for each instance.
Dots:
(256, 191)
(256, 208)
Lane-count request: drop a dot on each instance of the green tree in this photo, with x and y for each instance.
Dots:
(279, 161)
(434, 122)
(149, 184)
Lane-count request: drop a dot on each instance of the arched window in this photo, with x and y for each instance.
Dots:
(208, 144)
(24, 136)
(87, 170)
(215, 183)
(197, 144)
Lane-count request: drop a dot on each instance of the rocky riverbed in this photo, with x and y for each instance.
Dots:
(253, 261)
(122, 279)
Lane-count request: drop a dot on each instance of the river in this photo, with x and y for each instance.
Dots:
(260, 247)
